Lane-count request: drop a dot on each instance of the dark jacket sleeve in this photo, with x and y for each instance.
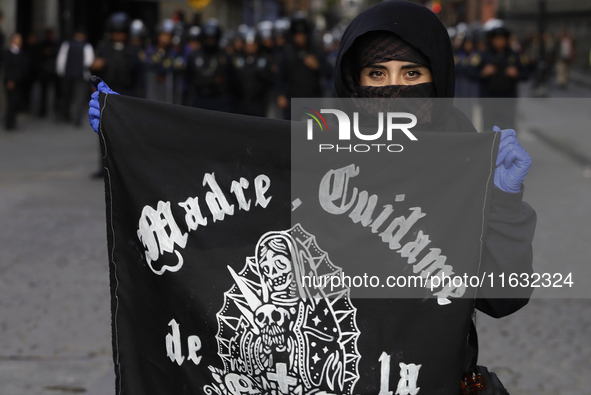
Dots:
(507, 249)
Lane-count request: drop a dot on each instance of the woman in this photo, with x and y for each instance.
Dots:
(399, 49)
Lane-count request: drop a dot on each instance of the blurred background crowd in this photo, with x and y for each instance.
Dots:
(253, 56)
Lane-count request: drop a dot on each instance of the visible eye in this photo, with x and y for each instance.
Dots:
(413, 75)
(377, 74)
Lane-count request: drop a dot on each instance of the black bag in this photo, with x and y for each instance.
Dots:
(477, 379)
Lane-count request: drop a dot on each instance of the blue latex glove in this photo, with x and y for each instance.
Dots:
(94, 112)
(513, 162)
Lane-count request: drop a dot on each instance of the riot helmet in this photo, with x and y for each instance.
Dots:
(138, 29)
(211, 33)
(118, 22)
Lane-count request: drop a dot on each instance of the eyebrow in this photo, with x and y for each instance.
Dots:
(376, 66)
(412, 66)
(405, 67)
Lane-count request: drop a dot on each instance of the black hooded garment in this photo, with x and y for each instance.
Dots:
(512, 222)
(416, 25)
(421, 28)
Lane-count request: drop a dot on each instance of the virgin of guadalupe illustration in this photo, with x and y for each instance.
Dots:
(277, 334)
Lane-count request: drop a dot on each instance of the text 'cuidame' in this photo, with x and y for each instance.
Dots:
(337, 198)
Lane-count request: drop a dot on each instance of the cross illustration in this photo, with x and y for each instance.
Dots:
(280, 376)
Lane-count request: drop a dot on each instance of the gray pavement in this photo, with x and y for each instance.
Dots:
(54, 292)
(54, 295)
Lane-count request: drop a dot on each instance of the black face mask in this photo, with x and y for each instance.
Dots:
(392, 98)
(423, 90)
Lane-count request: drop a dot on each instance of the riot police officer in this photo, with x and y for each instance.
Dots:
(302, 67)
(160, 65)
(499, 70)
(281, 29)
(254, 77)
(193, 40)
(237, 46)
(331, 41)
(210, 72)
(467, 84)
(265, 38)
(138, 35)
(117, 61)
(180, 54)
(266, 34)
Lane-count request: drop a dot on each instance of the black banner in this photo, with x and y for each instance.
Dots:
(225, 249)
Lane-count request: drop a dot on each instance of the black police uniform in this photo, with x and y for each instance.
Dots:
(500, 86)
(121, 67)
(210, 78)
(121, 59)
(254, 79)
(160, 74)
(296, 79)
(210, 74)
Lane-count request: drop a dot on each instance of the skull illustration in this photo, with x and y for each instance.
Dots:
(272, 321)
(239, 384)
(276, 271)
